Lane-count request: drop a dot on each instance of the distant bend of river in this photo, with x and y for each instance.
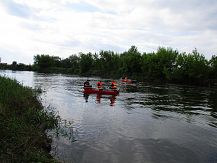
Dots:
(144, 123)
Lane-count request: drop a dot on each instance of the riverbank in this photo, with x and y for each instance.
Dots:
(23, 124)
(163, 66)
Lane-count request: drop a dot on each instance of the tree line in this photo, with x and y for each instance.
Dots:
(165, 64)
(15, 66)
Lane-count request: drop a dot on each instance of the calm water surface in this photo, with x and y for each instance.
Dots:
(145, 123)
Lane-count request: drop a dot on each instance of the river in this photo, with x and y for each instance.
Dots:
(145, 123)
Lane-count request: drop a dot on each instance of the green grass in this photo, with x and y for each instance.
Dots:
(23, 124)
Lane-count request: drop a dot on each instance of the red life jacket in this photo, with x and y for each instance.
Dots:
(99, 85)
(114, 85)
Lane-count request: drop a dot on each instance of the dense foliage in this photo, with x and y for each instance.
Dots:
(15, 66)
(23, 125)
(164, 65)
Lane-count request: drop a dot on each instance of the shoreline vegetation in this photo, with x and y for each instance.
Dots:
(164, 65)
(24, 124)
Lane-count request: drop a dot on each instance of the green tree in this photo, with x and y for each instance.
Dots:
(160, 64)
(131, 62)
(14, 65)
(213, 67)
(191, 68)
(43, 62)
(86, 63)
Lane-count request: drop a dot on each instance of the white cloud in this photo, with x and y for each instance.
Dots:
(69, 26)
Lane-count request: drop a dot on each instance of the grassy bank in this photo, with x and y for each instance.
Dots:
(23, 125)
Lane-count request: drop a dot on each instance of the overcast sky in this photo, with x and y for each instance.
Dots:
(65, 27)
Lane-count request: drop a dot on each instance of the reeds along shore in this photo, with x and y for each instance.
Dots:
(23, 124)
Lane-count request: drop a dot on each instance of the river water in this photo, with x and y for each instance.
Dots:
(144, 123)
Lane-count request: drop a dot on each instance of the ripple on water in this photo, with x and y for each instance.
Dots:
(145, 123)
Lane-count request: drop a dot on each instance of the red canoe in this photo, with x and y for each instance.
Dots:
(97, 91)
(129, 81)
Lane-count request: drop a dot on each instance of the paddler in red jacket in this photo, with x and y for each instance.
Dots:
(124, 79)
(100, 85)
(113, 85)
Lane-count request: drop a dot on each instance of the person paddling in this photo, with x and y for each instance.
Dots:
(124, 79)
(113, 85)
(87, 84)
(100, 85)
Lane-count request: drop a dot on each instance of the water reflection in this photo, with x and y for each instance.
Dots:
(111, 98)
(150, 123)
(98, 98)
(86, 96)
(187, 102)
(129, 87)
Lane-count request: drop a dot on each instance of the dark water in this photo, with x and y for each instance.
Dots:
(145, 123)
